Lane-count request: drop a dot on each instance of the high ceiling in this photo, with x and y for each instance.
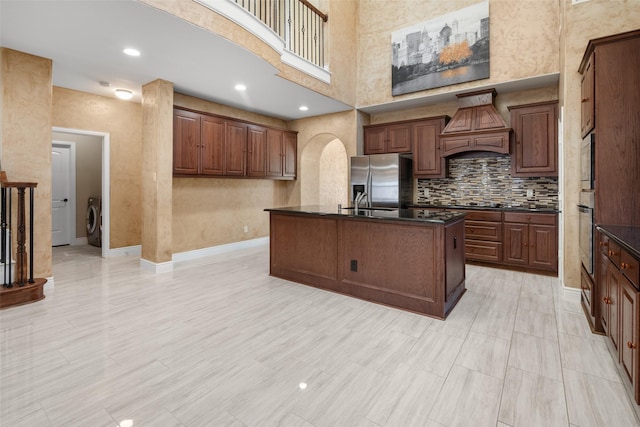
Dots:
(85, 40)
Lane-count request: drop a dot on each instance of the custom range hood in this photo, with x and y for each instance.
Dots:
(476, 126)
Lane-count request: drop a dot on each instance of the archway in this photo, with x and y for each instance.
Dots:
(324, 172)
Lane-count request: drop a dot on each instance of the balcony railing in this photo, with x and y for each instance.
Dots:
(297, 22)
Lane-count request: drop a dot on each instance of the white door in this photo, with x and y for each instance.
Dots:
(60, 195)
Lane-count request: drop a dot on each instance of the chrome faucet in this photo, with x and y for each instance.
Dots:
(359, 198)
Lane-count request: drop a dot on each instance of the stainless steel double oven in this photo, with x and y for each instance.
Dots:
(587, 202)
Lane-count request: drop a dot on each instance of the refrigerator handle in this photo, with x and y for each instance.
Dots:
(369, 188)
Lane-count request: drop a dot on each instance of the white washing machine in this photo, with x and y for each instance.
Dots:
(94, 221)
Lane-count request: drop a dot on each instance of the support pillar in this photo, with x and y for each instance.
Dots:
(157, 175)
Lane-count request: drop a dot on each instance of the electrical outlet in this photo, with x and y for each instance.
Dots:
(530, 193)
(426, 193)
(354, 265)
(245, 228)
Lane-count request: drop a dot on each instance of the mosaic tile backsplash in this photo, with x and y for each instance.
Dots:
(487, 181)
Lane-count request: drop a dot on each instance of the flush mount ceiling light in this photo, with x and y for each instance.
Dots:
(124, 94)
(303, 108)
(240, 87)
(131, 51)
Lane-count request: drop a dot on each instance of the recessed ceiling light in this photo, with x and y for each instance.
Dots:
(303, 108)
(131, 51)
(124, 94)
(240, 87)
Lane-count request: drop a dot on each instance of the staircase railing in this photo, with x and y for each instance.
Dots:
(299, 23)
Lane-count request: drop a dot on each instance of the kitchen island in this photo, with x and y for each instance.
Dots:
(406, 258)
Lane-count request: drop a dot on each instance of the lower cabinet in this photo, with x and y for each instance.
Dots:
(616, 273)
(483, 236)
(531, 240)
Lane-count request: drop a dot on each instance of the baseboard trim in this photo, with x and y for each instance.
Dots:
(571, 292)
(220, 249)
(135, 250)
(156, 267)
(49, 285)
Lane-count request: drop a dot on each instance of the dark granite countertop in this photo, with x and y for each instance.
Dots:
(626, 236)
(489, 208)
(411, 215)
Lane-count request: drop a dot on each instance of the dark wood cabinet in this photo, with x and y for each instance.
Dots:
(425, 141)
(256, 151)
(387, 138)
(535, 139)
(619, 316)
(483, 236)
(587, 96)
(281, 154)
(629, 334)
(208, 145)
(531, 240)
(186, 142)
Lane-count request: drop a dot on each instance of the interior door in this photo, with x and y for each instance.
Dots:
(60, 189)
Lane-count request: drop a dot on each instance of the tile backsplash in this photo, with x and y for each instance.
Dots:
(487, 181)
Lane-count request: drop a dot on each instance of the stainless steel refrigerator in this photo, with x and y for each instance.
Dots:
(387, 180)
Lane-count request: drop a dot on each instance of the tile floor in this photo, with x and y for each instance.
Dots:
(217, 342)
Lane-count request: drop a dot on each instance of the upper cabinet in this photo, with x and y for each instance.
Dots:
(587, 96)
(206, 145)
(535, 151)
(387, 138)
(427, 154)
(281, 154)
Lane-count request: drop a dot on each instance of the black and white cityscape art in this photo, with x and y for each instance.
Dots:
(447, 50)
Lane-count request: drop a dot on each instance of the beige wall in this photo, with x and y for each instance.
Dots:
(524, 41)
(213, 211)
(26, 140)
(123, 121)
(581, 23)
(88, 173)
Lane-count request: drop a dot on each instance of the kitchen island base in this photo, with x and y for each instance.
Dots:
(417, 266)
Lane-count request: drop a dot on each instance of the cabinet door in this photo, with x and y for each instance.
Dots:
(613, 289)
(290, 145)
(543, 246)
(602, 291)
(212, 160)
(536, 140)
(256, 151)
(235, 160)
(374, 140)
(587, 101)
(515, 243)
(427, 159)
(399, 138)
(629, 332)
(274, 152)
(186, 142)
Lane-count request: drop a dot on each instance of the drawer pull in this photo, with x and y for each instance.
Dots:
(630, 345)
(606, 300)
(625, 266)
(584, 100)
(603, 244)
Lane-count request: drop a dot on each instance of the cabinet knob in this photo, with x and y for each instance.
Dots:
(630, 345)
(603, 244)
(584, 99)
(606, 300)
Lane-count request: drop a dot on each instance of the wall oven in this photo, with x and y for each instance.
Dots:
(587, 202)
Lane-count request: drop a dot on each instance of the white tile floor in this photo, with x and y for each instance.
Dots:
(218, 342)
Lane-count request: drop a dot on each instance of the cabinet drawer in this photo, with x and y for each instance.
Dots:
(483, 251)
(629, 267)
(530, 218)
(484, 216)
(613, 252)
(483, 230)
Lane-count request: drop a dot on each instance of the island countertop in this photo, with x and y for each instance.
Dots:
(411, 215)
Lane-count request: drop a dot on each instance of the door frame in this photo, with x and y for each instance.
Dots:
(72, 186)
(106, 183)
